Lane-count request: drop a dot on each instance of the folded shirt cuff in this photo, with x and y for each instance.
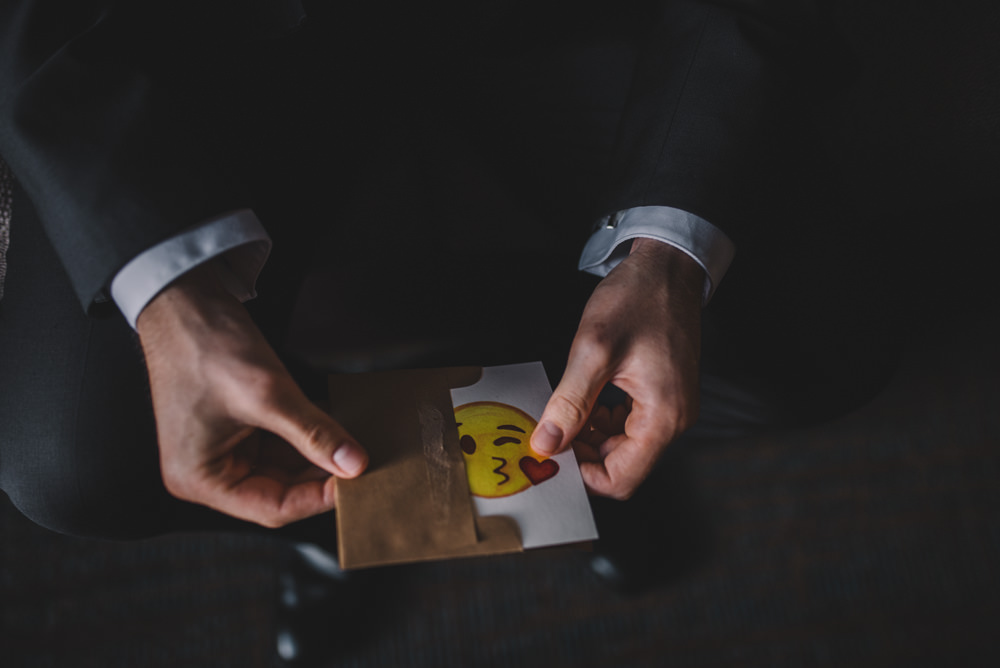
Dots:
(236, 241)
(705, 243)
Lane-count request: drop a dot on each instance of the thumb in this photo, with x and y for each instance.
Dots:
(569, 407)
(316, 436)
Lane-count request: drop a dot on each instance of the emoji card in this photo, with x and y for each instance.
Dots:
(545, 496)
(451, 472)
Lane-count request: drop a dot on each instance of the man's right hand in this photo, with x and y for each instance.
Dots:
(235, 432)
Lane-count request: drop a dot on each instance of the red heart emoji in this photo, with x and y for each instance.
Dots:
(538, 471)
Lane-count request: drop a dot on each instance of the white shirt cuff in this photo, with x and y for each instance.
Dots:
(236, 239)
(704, 242)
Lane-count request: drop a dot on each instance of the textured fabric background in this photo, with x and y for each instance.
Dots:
(6, 193)
(869, 541)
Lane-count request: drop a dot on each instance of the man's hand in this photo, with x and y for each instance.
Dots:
(641, 331)
(235, 432)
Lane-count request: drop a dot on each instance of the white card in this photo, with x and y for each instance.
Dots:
(545, 496)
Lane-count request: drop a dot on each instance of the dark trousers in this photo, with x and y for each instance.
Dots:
(438, 222)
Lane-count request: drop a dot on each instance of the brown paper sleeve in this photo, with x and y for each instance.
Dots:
(413, 503)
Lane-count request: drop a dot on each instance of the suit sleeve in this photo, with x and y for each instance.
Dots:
(709, 78)
(99, 145)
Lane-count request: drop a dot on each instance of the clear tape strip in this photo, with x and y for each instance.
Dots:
(435, 458)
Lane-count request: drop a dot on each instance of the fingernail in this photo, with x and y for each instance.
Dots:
(548, 438)
(350, 458)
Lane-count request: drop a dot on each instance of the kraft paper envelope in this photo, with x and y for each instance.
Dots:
(413, 502)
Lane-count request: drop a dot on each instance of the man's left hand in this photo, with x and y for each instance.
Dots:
(641, 331)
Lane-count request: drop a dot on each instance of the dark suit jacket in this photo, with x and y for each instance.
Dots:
(98, 114)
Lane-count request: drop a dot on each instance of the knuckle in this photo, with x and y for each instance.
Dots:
(271, 522)
(250, 385)
(670, 413)
(177, 485)
(315, 437)
(685, 415)
(625, 479)
(676, 408)
(596, 341)
(621, 491)
(261, 387)
(570, 408)
(623, 494)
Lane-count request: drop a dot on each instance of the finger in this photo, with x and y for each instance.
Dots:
(274, 452)
(276, 458)
(616, 423)
(292, 476)
(570, 405)
(621, 471)
(592, 436)
(316, 435)
(600, 419)
(628, 459)
(270, 502)
(585, 452)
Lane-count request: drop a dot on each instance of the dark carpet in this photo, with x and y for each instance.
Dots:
(873, 541)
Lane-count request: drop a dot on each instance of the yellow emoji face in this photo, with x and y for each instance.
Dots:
(495, 442)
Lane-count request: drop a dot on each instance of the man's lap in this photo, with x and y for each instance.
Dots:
(77, 440)
(78, 443)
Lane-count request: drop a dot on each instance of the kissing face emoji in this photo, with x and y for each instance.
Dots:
(495, 442)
